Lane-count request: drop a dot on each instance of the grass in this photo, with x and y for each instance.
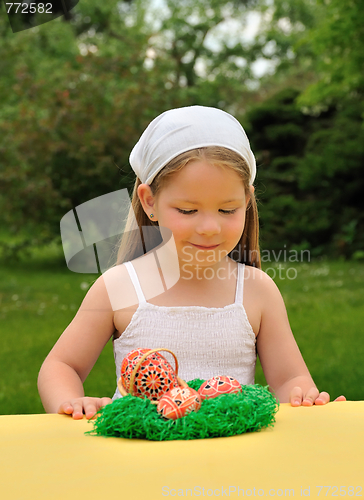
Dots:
(39, 297)
(325, 308)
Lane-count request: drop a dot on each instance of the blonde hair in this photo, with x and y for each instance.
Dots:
(248, 245)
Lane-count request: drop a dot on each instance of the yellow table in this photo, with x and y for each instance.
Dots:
(49, 457)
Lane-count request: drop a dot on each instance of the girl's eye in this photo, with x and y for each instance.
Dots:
(187, 212)
(229, 211)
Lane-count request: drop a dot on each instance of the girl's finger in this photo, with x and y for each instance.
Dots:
(93, 405)
(322, 399)
(77, 410)
(105, 401)
(311, 396)
(89, 407)
(340, 398)
(65, 408)
(295, 397)
(90, 412)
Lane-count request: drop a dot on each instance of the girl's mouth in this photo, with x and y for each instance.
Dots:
(205, 247)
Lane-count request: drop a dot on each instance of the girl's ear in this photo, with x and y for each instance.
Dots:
(147, 200)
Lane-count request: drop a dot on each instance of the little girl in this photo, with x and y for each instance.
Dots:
(200, 292)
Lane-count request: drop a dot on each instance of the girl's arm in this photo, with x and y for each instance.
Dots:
(61, 377)
(282, 363)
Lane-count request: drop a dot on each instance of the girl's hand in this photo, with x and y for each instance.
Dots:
(312, 397)
(80, 406)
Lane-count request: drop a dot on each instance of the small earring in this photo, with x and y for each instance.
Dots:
(151, 216)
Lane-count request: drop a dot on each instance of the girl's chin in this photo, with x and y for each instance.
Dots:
(208, 261)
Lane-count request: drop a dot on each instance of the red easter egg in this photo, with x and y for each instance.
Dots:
(154, 377)
(216, 386)
(178, 402)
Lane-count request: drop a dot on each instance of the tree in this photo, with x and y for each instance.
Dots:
(337, 41)
(311, 195)
(317, 45)
(310, 177)
(76, 95)
(60, 123)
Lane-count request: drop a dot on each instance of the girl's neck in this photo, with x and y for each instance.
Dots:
(171, 268)
(198, 275)
(217, 293)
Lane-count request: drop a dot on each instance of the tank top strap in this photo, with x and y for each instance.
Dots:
(240, 284)
(134, 278)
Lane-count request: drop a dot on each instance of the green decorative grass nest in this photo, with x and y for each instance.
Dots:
(227, 415)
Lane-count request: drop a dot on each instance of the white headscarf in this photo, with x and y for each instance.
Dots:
(182, 129)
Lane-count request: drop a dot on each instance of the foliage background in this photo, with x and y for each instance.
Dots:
(75, 95)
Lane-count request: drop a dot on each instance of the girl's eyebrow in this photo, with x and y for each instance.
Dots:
(197, 203)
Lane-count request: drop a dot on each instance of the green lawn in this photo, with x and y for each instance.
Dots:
(37, 302)
(39, 298)
(325, 305)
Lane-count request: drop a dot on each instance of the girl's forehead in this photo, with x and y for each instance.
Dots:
(206, 172)
(201, 179)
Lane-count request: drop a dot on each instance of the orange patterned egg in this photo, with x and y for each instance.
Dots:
(178, 402)
(216, 386)
(154, 377)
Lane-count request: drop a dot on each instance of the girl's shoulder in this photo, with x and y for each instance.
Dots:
(254, 274)
(262, 299)
(146, 276)
(107, 291)
(260, 284)
(118, 286)
(97, 297)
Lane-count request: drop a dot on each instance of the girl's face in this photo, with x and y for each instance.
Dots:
(204, 206)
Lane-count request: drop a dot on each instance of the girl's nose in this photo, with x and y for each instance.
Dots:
(208, 225)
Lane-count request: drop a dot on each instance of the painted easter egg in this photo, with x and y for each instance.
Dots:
(178, 402)
(222, 384)
(154, 377)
